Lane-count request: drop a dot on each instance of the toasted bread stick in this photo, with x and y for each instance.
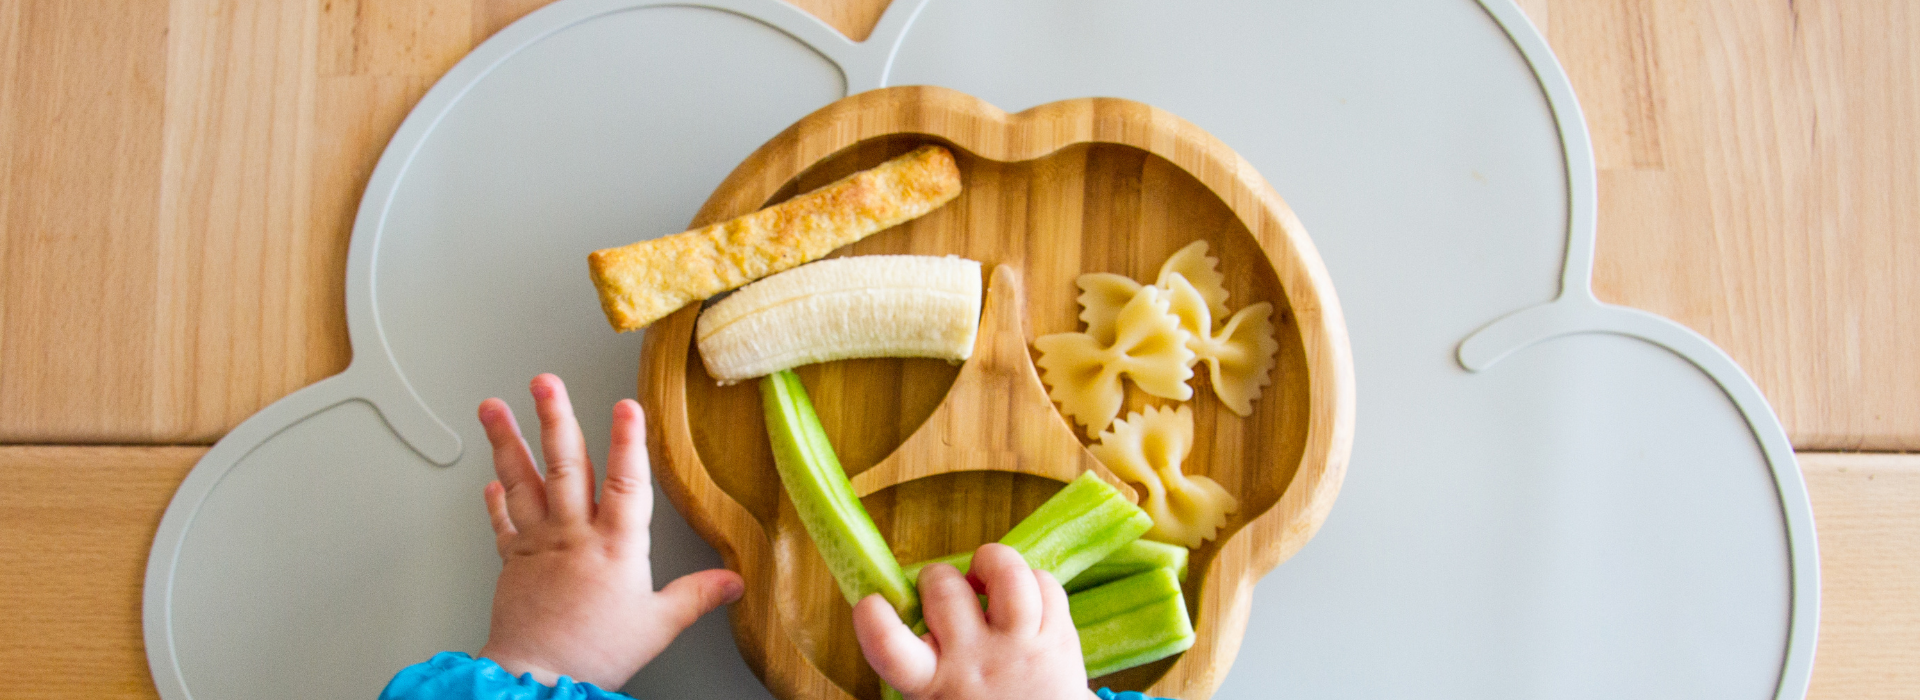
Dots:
(645, 281)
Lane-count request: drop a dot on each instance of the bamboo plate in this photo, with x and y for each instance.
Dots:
(946, 457)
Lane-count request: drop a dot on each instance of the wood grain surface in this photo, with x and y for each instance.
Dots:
(1867, 510)
(75, 524)
(1757, 171)
(1117, 186)
(177, 182)
(1759, 180)
(1022, 436)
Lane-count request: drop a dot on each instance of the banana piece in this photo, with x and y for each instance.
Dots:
(864, 306)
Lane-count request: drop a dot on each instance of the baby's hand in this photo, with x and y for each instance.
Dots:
(576, 595)
(1023, 646)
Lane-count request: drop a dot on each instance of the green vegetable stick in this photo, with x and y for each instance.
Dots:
(1132, 621)
(960, 561)
(1136, 557)
(823, 497)
(1077, 527)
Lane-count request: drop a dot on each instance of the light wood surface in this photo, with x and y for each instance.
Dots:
(1759, 180)
(1088, 185)
(1867, 509)
(177, 181)
(75, 524)
(1757, 174)
(1023, 435)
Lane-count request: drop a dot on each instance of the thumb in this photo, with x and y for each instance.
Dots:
(698, 593)
(896, 655)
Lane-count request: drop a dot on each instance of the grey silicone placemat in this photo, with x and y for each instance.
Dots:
(1611, 512)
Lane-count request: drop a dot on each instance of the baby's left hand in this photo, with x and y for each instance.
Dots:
(576, 595)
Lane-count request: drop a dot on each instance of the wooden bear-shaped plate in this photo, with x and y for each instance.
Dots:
(949, 457)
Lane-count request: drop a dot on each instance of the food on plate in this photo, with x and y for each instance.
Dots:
(1147, 345)
(1239, 354)
(1103, 293)
(958, 560)
(1239, 349)
(645, 281)
(1083, 524)
(822, 496)
(1203, 270)
(1076, 528)
(1132, 621)
(1148, 449)
(1132, 612)
(1137, 556)
(864, 306)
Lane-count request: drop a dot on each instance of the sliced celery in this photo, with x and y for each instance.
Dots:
(1132, 621)
(1136, 557)
(823, 497)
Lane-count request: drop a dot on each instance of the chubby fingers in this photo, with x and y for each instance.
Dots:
(949, 604)
(522, 490)
(896, 655)
(687, 598)
(626, 497)
(569, 474)
(503, 529)
(1013, 595)
(1056, 617)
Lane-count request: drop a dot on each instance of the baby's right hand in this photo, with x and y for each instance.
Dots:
(1022, 646)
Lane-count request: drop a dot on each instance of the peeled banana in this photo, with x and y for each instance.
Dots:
(842, 308)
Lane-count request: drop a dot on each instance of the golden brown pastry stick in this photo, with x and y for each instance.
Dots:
(643, 282)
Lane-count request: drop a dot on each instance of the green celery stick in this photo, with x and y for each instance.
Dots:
(1132, 621)
(1136, 557)
(823, 497)
(1077, 527)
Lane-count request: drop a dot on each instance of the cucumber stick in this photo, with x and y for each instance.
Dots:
(1138, 619)
(823, 497)
(1126, 620)
(1080, 526)
(1076, 528)
(961, 561)
(1136, 557)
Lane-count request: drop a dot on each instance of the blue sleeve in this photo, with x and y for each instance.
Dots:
(452, 675)
(1123, 695)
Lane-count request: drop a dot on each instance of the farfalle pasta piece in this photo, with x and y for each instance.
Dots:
(1200, 269)
(1103, 293)
(1148, 449)
(1148, 346)
(1239, 354)
(1102, 296)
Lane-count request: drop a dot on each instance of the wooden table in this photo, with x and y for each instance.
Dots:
(178, 181)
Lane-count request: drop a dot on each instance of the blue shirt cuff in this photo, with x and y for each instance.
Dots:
(452, 675)
(1106, 694)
